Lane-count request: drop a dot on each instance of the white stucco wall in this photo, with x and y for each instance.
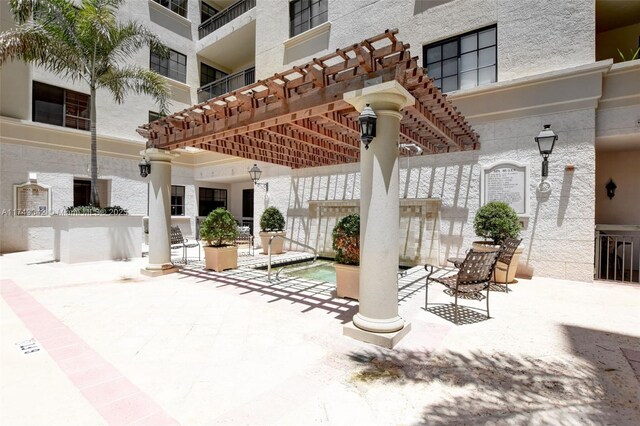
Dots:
(527, 30)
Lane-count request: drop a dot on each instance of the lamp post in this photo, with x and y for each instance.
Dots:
(546, 139)
(145, 167)
(367, 120)
(255, 174)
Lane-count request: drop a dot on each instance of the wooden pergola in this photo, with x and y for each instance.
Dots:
(298, 118)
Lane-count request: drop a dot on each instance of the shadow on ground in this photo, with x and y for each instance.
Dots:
(311, 295)
(501, 388)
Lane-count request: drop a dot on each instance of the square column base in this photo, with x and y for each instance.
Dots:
(386, 340)
(158, 272)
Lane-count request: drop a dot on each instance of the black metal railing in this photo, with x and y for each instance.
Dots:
(617, 249)
(227, 84)
(224, 17)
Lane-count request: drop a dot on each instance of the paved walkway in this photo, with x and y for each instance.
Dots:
(93, 344)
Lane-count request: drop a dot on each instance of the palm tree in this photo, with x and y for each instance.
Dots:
(84, 42)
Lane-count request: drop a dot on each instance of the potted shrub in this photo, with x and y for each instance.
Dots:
(220, 230)
(272, 223)
(346, 243)
(497, 221)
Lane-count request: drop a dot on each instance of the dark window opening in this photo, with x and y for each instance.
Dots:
(60, 107)
(207, 11)
(464, 61)
(177, 6)
(173, 66)
(153, 116)
(209, 74)
(177, 200)
(81, 192)
(210, 199)
(307, 14)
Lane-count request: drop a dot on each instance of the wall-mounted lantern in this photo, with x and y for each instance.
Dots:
(546, 139)
(367, 120)
(255, 174)
(611, 189)
(145, 167)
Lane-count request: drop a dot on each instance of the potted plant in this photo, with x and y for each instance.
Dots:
(346, 243)
(220, 230)
(272, 223)
(497, 221)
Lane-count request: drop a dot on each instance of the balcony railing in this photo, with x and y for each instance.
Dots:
(224, 17)
(226, 84)
(617, 253)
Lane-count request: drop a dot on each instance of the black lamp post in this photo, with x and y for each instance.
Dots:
(367, 120)
(546, 139)
(145, 167)
(255, 174)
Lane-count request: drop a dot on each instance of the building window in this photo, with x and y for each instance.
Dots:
(177, 200)
(209, 74)
(153, 116)
(173, 66)
(207, 11)
(82, 192)
(463, 62)
(210, 199)
(306, 14)
(177, 6)
(60, 107)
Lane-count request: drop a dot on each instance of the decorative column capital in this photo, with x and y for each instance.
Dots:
(155, 154)
(390, 95)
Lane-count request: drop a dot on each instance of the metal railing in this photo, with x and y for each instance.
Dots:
(315, 254)
(617, 253)
(227, 84)
(224, 17)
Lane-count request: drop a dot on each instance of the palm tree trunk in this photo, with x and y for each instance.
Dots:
(94, 199)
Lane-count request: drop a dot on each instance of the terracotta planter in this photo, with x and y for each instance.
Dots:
(347, 281)
(220, 258)
(500, 275)
(276, 245)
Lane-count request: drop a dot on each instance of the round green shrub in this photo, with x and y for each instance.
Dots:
(271, 220)
(219, 228)
(497, 221)
(346, 240)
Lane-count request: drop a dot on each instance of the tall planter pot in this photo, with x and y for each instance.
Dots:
(220, 258)
(500, 275)
(347, 281)
(277, 245)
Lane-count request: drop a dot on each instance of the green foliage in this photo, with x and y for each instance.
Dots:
(271, 220)
(632, 55)
(219, 228)
(82, 40)
(497, 220)
(346, 240)
(111, 210)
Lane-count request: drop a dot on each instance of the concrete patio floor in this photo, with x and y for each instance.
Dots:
(201, 348)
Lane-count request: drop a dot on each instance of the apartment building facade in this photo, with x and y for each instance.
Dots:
(509, 67)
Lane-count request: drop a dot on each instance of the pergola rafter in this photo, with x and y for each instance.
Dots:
(298, 118)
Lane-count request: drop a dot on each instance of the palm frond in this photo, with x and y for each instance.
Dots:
(130, 37)
(120, 81)
(31, 43)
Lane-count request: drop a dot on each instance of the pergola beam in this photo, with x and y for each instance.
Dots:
(299, 117)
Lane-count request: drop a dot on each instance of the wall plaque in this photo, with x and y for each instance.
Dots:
(508, 182)
(31, 199)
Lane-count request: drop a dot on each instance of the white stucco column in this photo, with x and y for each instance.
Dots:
(378, 321)
(159, 212)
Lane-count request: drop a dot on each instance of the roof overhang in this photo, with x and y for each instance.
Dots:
(298, 118)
